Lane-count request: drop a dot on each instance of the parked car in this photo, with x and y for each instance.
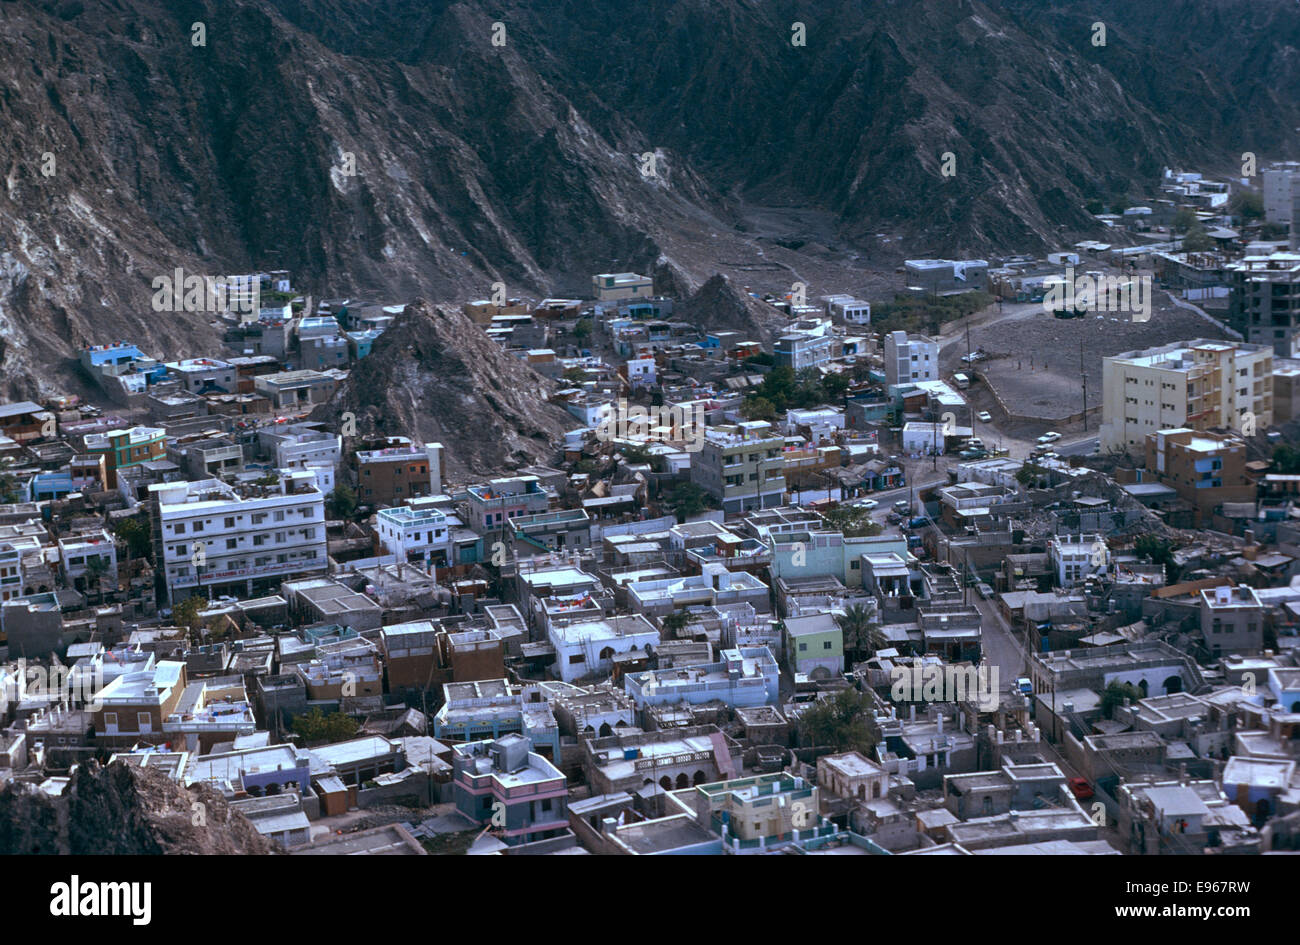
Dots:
(984, 590)
(902, 506)
(1049, 437)
(973, 454)
(867, 504)
(984, 416)
(1080, 788)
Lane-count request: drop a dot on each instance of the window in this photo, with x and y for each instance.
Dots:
(826, 645)
(577, 658)
(230, 521)
(279, 515)
(179, 528)
(803, 647)
(232, 543)
(198, 526)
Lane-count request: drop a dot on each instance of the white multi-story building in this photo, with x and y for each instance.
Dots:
(211, 538)
(1280, 191)
(852, 310)
(1197, 384)
(416, 534)
(1075, 557)
(75, 554)
(586, 647)
(910, 358)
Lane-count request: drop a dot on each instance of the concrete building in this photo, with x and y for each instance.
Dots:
(127, 447)
(1232, 620)
(1206, 469)
(212, 538)
(586, 647)
(941, 276)
(1265, 301)
(134, 706)
(507, 785)
(392, 474)
(500, 501)
(610, 286)
(815, 645)
(742, 467)
(1196, 385)
(420, 535)
(910, 358)
(853, 776)
(1281, 186)
(744, 677)
(1075, 557)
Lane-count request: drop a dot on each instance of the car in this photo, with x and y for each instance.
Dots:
(975, 443)
(867, 504)
(893, 518)
(1080, 788)
(984, 416)
(984, 590)
(902, 506)
(974, 454)
(1050, 437)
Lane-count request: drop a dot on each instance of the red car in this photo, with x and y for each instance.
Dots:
(1080, 788)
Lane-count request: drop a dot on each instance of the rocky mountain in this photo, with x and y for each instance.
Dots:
(393, 149)
(123, 810)
(436, 376)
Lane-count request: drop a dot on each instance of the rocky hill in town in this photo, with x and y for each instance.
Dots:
(436, 376)
(393, 150)
(123, 810)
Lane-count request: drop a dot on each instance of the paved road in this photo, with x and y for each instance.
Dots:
(1086, 447)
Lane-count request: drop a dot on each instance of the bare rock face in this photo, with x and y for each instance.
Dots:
(436, 376)
(391, 150)
(720, 305)
(123, 810)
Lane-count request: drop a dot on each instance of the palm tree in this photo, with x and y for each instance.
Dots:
(861, 632)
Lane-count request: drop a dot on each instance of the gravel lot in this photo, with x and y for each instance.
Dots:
(1034, 359)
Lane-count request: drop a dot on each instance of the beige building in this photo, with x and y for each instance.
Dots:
(743, 467)
(609, 286)
(1197, 384)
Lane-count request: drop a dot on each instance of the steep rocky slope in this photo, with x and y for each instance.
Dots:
(123, 810)
(392, 149)
(435, 375)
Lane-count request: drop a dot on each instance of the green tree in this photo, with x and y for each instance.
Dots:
(582, 330)
(315, 727)
(10, 490)
(1247, 205)
(758, 408)
(852, 521)
(342, 502)
(1286, 459)
(135, 534)
(1197, 240)
(861, 633)
(1115, 694)
(842, 723)
(96, 569)
(1184, 220)
(673, 624)
(834, 387)
(1030, 474)
(186, 613)
(687, 499)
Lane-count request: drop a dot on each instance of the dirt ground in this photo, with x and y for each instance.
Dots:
(1035, 360)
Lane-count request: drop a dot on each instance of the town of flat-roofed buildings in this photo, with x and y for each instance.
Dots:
(854, 626)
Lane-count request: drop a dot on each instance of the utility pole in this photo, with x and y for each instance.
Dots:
(1083, 374)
